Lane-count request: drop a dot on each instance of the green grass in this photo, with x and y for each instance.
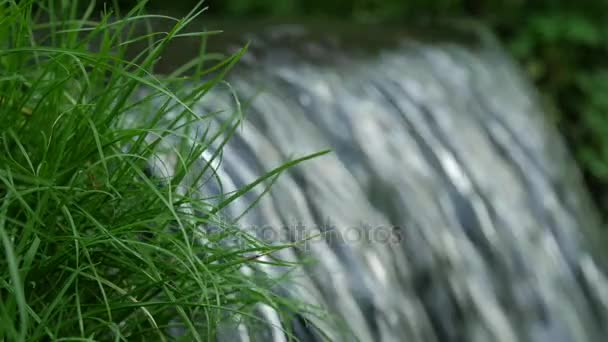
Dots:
(93, 247)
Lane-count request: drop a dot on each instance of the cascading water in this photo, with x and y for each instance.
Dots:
(449, 209)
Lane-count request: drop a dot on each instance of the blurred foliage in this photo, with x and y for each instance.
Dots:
(562, 44)
(564, 49)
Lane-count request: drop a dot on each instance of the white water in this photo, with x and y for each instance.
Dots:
(443, 155)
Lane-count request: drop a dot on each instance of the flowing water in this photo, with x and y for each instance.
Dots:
(449, 209)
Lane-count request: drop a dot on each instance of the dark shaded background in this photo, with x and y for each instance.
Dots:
(561, 44)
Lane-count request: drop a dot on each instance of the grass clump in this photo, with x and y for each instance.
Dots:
(93, 245)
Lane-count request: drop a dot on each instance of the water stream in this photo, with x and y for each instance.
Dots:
(449, 209)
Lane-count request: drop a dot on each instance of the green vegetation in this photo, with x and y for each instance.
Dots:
(92, 246)
(95, 247)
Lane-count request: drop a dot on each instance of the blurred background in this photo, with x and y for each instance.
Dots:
(561, 44)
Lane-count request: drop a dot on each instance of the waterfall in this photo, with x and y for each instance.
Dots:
(448, 210)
